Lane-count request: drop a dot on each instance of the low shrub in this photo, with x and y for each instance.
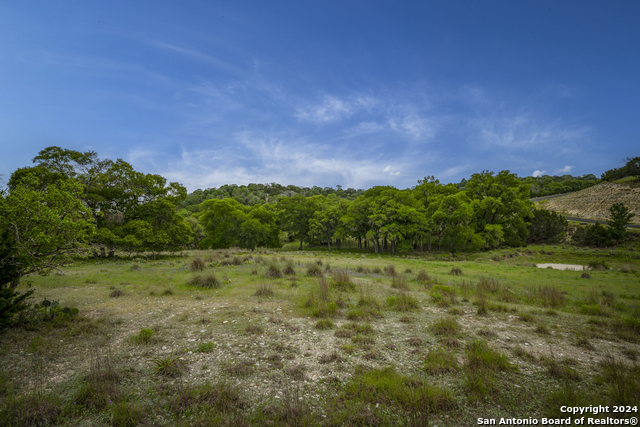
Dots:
(314, 271)
(440, 361)
(208, 281)
(403, 302)
(197, 264)
(342, 280)
(446, 326)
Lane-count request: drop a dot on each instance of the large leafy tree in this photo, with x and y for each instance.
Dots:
(228, 223)
(326, 220)
(453, 221)
(295, 214)
(501, 206)
(40, 226)
(133, 211)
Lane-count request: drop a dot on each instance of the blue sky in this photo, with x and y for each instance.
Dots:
(355, 93)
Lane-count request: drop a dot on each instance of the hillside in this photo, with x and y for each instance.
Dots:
(594, 202)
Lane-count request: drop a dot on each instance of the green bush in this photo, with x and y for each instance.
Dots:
(547, 226)
(12, 303)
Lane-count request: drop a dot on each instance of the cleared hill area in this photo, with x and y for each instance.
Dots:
(594, 202)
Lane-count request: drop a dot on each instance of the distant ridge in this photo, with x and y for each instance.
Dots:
(594, 202)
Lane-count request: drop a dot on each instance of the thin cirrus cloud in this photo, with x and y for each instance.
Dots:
(564, 170)
(525, 131)
(333, 109)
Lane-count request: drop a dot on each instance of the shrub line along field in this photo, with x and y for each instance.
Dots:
(225, 337)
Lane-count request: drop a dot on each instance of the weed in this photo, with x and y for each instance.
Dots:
(542, 330)
(446, 326)
(390, 270)
(319, 262)
(568, 395)
(324, 324)
(407, 319)
(297, 372)
(440, 361)
(264, 291)
(598, 264)
(116, 293)
(167, 292)
(273, 271)
(289, 269)
(100, 385)
(144, 336)
(324, 289)
(342, 281)
(32, 409)
(456, 271)
(585, 275)
(206, 347)
(551, 296)
(314, 271)
(399, 283)
(487, 333)
(168, 366)
(197, 264)
(209, 281)
(221, 397)
(414, 341)
(403, 302)
(628, 268)
(376, 270)
(526, 317)
(126, 414)
(423, 276)
(481, 356)
(241, 368)
(622, 382)
(523, 354)
(254, 329)
(560, 370)
(583, 341)
(388, 387)
(443, 295)
(591, 310)
(343, 333)
(330, 358)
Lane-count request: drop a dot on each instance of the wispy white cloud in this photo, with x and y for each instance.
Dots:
(333, 109)
(524, 131)
(537, 173)
(197, 55)
(564, 170)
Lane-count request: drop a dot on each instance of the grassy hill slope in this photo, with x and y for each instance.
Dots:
(594, 202)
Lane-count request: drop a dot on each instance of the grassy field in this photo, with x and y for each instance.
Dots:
(311, 338)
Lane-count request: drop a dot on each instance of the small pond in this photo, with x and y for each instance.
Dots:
(574, 267)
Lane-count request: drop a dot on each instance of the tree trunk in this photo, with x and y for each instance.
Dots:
(300, 245)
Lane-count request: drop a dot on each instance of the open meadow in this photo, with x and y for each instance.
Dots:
(286, 337)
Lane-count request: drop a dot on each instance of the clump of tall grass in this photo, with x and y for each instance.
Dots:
(342, 280)
(443, 295)
(403, 302)
(273, 271)
(445, 326)
(209, 281)
(399, 283)
(456, 271)
(390, 270)
(197, 264)
(314, 270)
(289, 269)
